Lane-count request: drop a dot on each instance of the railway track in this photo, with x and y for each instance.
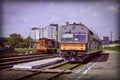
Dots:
(51, 72)
(61, 73)
(21, 57)
(10, 61)
(5, 65)
(50, 69)
(6, 55)
(55, 70)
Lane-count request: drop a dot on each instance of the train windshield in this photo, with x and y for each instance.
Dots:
(81, 37)
(73, 37)
(67, 37)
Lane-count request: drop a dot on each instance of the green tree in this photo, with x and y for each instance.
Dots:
(3, 41)
(15, 40)
(25, 43)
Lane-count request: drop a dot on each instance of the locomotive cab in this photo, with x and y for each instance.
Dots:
(41, 46)
(47, 46)
(77, 42)
(73, 43)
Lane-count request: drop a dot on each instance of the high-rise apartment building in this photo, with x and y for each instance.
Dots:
(49, 32)
(53, 31)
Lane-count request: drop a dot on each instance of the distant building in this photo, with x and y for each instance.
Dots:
(59, 29)
(50, 32)
(36, 33)
(53, 31)
(106, 40)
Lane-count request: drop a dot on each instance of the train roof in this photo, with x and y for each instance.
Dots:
(80, 24)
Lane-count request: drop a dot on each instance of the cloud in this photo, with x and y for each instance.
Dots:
(73, 14)
(95, 14)
(112, 8)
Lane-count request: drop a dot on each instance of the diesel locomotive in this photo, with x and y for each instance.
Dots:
(77, 42)
(47, 45)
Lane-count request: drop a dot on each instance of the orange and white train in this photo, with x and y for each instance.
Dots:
(47, 45)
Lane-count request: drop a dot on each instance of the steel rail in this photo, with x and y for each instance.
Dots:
(39, 72)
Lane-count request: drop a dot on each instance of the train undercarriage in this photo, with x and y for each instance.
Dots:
(76, 56)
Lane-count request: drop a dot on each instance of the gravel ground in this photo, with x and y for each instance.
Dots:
(12, 75)
(105, 67)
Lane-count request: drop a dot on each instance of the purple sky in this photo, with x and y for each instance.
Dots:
(20, 17)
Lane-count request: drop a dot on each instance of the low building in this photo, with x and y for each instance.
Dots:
(105, 40)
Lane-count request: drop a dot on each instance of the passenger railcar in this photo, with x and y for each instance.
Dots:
(47, 45)
(77, 42)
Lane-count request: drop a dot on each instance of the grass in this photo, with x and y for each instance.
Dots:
(114, 48)
(46, 76)
(66, 67)
(43, 76)
(62, 77)
(23, 50)
(77, 68)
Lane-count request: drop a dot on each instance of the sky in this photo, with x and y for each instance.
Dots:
(100, 16)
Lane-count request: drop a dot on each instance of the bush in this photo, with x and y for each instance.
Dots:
(25, 49)
(116, 48)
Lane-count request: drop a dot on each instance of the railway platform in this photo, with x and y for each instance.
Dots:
(104, 67)
(37, 64)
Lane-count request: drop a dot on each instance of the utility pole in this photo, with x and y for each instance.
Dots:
(30, 41)
(111, 36)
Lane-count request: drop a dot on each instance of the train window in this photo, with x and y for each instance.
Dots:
(76, 39)
(67, 37)
(42, 43)
(50, 44)
(79, 37)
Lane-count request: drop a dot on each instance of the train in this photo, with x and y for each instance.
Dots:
(46, 45)
(77, 42)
